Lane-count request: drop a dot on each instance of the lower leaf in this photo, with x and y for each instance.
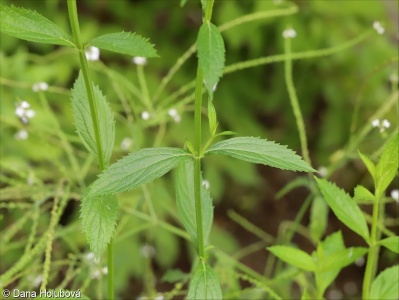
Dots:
(99, 215)
(204, 284)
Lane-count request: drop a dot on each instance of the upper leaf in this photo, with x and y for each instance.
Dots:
(125, 43)
(342, 258)
(136, 169)
(99, 215)
(83, 118)
(369, 164)
(386, 286)
(185, 199)
(260, 151)
(295, 257)
(344, 207)
(387, 166)
(210, 49)
(204, 284)
(29, 25)
(363, 194)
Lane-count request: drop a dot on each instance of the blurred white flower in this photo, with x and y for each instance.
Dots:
(126, 144)
(382, 125)
(335, 294)
(93, 53)
(160, 297)
(21, 135)
(289, 33)
(145, 115)
(395, 195)
(206, 184)
(385, 123)
(378, 27)
(95, 274)
(23, 112)
(174, 115)
(375, 123)
(322, 171)
(104, 270)
(147, 251)
(139, 60)
(35, 281)
(359, 262)
(39, 86)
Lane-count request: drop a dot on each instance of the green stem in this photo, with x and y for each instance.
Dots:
(294, 101)
(73, 18)
(372, 255)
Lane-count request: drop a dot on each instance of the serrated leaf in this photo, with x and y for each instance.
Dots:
(204, 284)
(125, 43)
(99, 215)
(318, 218)
(368, 163)
(342, 258)
(136, 169)
(344, 207)
(210, 50)
(295, 257)
(31, 26)
(387, 167)
(83, 119)
(386, 286)
(260, 151)
(392, 243)
(363, 194)
(185, 200)
(212, 118)
(332, 244)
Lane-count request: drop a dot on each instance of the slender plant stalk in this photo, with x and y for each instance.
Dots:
(294, 101)
(372, 257)
(73, 18)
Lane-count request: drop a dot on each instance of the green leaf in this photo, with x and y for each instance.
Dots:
(204, 284)
(318, 218)
(99, 215)
(260, 151)
(342, 258)
(185, 198)
(386, 286)
(295, 257)
(344, 207)
(332, 244)
(210, 49)
(369, 164)
(212, 117)
(136, 169)
(387, 167)
(125, 43)
(363, 194)
(29, 25)
(392, 243)
(83, 119)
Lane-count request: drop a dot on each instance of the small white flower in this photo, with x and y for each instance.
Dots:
(30, 113)
(359, 262)
(93, 53)
(145, 115)
(289, 33)
(395, 195)
(335, 294)
(160, 297)
(24, 104)
(20, 111)
(206, 184)
(126, 143)
(90, 257)
(39, 86)
(375, 123)
(322, 171)
(104, 270)
(95, 274)
(378, 27)
(174, 114)
(385, 123)
(139, 60)
(21, 135)
(147, 251)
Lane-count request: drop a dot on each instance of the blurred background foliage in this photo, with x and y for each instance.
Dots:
(251, 102)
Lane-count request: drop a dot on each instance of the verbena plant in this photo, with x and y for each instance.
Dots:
(95, 125)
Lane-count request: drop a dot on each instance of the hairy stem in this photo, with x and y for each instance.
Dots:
(73, 18)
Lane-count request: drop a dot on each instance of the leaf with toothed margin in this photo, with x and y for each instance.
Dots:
(99, 215)
(260, 151)
(204, 284)
(136, 169)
